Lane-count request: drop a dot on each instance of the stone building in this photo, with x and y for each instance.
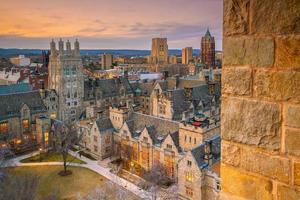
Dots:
(159, 51)
(199, 175)
(106, 61)
(208, 50)
(20, 120)
(187, 55)
(66, 78)
(103, 93)
(261, 84)
(171, 98)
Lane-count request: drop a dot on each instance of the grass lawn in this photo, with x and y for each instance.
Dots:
(50, 157)
(81, 181)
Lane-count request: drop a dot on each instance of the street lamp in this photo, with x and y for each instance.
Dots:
(40, 151)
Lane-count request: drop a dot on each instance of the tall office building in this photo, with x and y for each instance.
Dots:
(106, 61)
(159, 51)
(208, 50)
(187, 55)
(66, 78)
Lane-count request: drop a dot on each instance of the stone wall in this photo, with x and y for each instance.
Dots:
(261, 100)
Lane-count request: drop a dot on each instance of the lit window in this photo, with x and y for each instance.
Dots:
(25, 123)
(46, 137)
(189, 176)
(53, 116)
(3, 127)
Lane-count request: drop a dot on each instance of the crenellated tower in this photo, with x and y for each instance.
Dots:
(66, 78)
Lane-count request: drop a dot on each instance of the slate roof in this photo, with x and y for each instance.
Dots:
(11, 104)
(105, 87)
(175, 138)
(162, 126)
(104, 124)
(199, 151)
(15, 88)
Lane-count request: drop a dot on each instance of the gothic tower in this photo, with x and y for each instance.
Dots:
(66, 78)
(208, 50)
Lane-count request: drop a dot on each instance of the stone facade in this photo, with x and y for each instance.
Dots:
(22, 123)
(260, 100)
(66, 78)
(159, 51)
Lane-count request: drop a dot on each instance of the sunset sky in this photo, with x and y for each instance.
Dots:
(115, 24)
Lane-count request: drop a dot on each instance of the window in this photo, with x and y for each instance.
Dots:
(4, 127)
(145, 139)
(189, 176)
(218, 186)
(185, 137)
(195, 140)
(95, 138)
(169, 146)
(25, 124)
(189, 191)
(46, 138)
(107, 140)
(190, 139)
(189, 163)
(95, 148)
(75, 103)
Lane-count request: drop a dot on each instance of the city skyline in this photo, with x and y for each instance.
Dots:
(110, 26)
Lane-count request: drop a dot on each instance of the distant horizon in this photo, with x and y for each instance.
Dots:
(118, 24)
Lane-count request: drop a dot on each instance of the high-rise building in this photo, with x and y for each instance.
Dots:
(208, 50)
(159, 51)
(66, 78)
(106, 61)
(187, 55)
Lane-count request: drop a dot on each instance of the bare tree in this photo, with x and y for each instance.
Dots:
(64, 137)
(157, 176)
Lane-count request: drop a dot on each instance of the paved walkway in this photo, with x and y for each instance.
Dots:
(90, 164)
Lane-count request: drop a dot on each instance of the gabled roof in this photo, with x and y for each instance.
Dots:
(10, 105)
(175, 138)
(104, 124)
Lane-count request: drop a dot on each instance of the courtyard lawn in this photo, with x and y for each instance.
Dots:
(81, 182)
(51, 157)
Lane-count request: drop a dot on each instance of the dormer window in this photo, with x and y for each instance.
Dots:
(189, 163)
(169, 146)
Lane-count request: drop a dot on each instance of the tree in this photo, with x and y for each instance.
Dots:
(64, 137)
(157, 176)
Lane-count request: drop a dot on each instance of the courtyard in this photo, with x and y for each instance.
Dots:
(79, 184)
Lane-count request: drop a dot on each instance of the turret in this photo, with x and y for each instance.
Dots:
(76, 48)
(52, 47)
(68, 46)
(61, 47)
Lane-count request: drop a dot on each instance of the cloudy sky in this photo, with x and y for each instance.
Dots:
(114, 24)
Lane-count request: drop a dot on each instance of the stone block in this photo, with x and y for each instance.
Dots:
(274, 167)
(297, 173)
(256, 52)
(231, 154)
(291, 115)
(240, 184)
(274, 16)
(251, 122)
(236, 17)
(288, 52)
(236, 81)
(292, 141)
(287, 193)
(277, 85)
